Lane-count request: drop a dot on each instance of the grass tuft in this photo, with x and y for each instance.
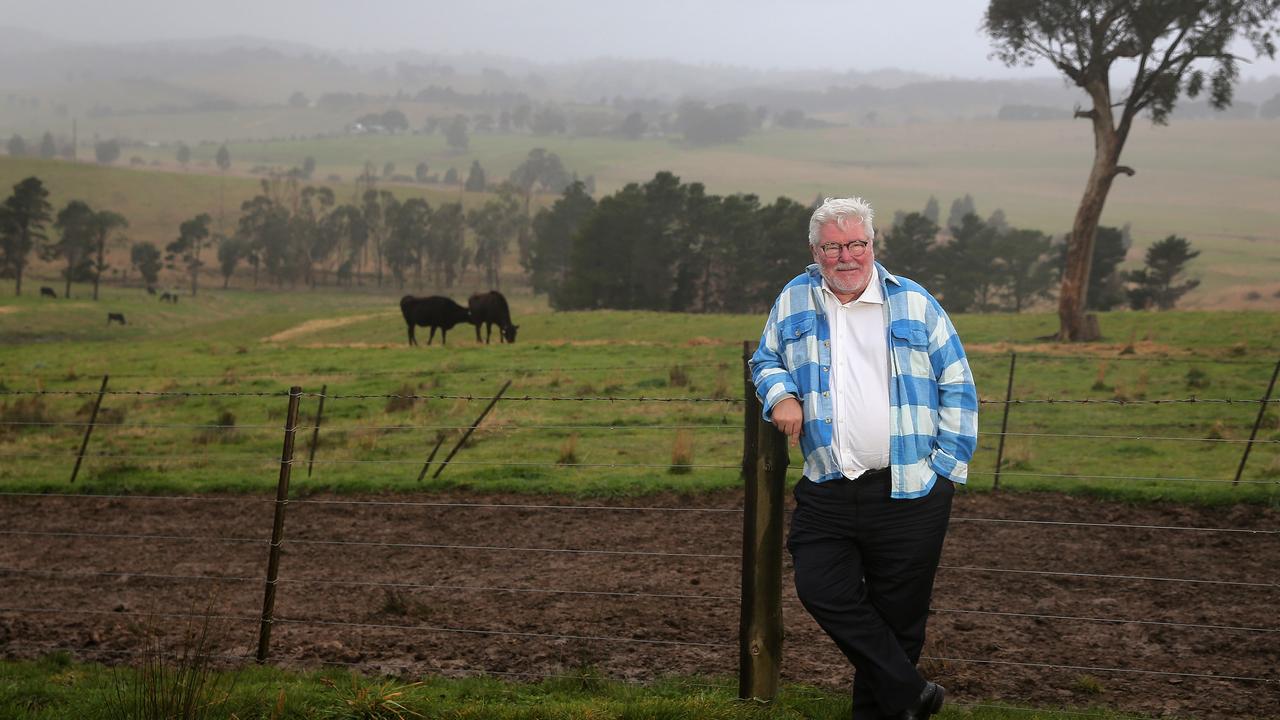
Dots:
(368, 700)
(569, 451)
(682, 453)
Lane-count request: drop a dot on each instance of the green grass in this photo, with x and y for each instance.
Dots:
(56, 687)
(1209, 181)
(353, 343)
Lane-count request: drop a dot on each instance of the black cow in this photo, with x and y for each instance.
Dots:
(491, 309)
(151, 290)
(47, 291)
(115, 317)
(433, 312)
(169, 297)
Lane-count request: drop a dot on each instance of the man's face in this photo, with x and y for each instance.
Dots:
(847, 274)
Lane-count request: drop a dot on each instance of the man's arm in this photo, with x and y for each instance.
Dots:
(774, 385)
(957, 433)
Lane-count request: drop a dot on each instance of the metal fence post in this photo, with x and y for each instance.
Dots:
(1004, 424)
(1262, 411)
(315, 433)
(93, 419)
(277, 528)
(760, 627)
(470, 430)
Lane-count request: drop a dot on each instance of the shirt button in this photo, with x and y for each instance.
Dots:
(828, 421)
(825, 368)
(825, 393)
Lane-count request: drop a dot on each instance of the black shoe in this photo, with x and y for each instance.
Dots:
(929, 703)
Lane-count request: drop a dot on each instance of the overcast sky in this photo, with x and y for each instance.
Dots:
(936, 37)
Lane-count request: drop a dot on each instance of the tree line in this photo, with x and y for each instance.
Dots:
(662, 245)
(670, 246)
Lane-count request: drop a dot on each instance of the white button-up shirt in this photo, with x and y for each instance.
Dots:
(859, 380)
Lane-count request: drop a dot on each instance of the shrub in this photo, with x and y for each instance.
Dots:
(1197, 378)
(569, 451)
(402, 399)
(677, 376)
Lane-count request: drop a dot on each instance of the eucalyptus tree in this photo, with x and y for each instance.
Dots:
(1166, 49)
(75, 225)
(22, 221)
(188, 246)
(105, 222)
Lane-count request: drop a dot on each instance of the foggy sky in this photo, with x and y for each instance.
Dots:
(940, 38)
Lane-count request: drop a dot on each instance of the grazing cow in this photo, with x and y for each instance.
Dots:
(47, 291)
(169, 297)
(433, 312)
(151, 290)
(115, 317)
(491, 309)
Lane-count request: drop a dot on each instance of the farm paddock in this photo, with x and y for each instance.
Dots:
(349, 562)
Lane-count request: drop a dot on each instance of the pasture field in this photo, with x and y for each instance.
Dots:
(56, 688)
(1209, 181)
(573, 420)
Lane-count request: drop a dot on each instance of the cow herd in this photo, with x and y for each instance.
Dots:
(439, 312)
(436, 312)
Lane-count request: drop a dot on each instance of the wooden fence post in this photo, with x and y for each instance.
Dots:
(751, 410)
(315, 433)
(93, 419)
(1262, 411)
(277, 528)
(1004, 424)
(760, 627)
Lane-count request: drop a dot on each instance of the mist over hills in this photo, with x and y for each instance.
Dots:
(45, 81)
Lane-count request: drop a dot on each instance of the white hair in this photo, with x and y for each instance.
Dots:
(841, 211)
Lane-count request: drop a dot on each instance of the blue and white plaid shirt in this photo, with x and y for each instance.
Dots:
(933, 414)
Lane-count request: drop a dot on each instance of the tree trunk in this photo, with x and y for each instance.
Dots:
(17, 274)
(195, 268)
(1073, 296)
(97, 272)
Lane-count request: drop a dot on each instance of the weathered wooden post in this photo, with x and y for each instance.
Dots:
(277, 528)
(1262, 411)
(750, 410)
(93, 419)
(1004, 424)
(760, 627)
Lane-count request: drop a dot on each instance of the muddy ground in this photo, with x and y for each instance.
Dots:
(352, 576)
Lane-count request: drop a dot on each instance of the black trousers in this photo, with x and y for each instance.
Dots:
(864, 568)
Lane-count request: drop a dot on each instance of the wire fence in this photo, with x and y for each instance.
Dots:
(539, 577)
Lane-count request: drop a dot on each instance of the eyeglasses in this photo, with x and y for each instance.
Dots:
(855, 248)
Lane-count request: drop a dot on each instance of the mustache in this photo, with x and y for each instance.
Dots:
(847, 266)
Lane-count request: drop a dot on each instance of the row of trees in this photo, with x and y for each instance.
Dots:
(663, 245)
(666, 245)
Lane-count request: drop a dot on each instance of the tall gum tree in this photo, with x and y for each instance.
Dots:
(1171, 47)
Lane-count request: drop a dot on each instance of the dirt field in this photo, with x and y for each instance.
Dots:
(1049, 660)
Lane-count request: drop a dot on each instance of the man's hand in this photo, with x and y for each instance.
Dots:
(788, 417)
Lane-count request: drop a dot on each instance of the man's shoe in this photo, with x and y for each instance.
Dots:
(929, 703)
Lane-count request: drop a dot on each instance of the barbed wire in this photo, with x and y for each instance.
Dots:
(516, 506)
(510, 633)
(1104, 576)
(130, 613)
(1126, 437)
(1094, 668)
(1125, 526)
(127, 536)
(100, 496)
(500, 548)
(514, 370)
(618, 398)
(1116, 621)
(1191, 359)
(725, 427)
(1121, 477)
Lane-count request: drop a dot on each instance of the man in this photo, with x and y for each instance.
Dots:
(865, 372)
